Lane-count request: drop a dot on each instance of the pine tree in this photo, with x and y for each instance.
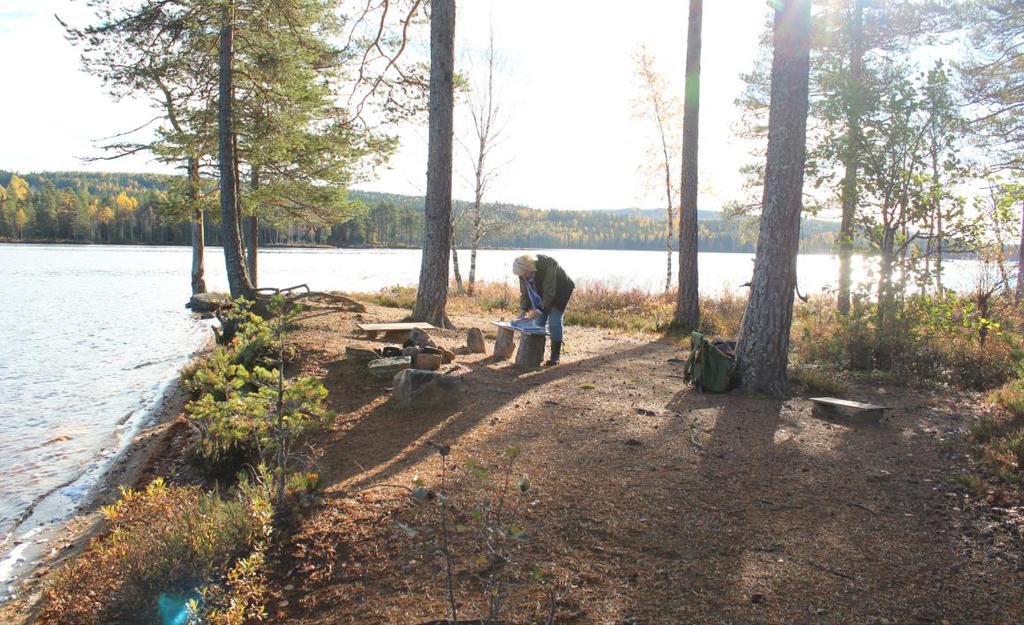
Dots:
(687, 313)
(432, 294)
(762, 353)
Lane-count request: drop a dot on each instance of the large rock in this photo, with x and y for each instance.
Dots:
(412, 351)
(208, 302)
(419, 338)
(414, 386)
(386, 368)
(475, 341)
(360, 354)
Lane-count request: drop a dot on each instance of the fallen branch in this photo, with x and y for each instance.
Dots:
(826, 569)
(861, 506)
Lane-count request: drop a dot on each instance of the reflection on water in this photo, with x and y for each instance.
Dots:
(90, 335)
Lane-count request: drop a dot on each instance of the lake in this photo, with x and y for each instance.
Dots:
(92, 335)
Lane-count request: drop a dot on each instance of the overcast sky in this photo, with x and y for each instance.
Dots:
(572, 142)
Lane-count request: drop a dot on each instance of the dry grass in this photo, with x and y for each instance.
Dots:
(593, 305)
(820, 381)
(165, 545)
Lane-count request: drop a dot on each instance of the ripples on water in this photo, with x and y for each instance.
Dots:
(91, 335)
(88, 340)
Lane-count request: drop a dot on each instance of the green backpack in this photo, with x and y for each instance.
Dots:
(711, 365)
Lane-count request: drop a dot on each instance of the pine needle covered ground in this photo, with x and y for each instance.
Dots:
(648, 502)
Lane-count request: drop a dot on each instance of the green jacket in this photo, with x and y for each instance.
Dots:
(552, 283)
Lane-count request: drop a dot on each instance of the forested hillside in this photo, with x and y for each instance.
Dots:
(146, 208)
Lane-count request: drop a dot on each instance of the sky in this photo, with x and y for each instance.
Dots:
(572, 140)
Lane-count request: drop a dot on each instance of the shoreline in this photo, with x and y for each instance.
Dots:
(152, 440)
(321, 246)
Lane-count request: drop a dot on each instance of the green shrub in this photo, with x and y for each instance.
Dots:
(242, 428)
(165, 543)
(217, 375)
(248, 413)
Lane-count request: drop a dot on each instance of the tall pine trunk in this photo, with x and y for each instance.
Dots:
(432, 294)
(763, 350)
(238, 278)
(687, 313)
(198, 230)
(851, 157)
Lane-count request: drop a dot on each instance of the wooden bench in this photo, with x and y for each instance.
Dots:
(375, 330)
(853, 411)
(531, 346)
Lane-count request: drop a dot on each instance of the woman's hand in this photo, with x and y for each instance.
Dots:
(529, 314)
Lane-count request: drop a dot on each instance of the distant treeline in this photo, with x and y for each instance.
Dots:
(140, 208)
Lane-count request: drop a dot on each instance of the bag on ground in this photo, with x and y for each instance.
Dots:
(711, 365)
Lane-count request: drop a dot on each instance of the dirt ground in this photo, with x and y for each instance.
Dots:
(649, 502)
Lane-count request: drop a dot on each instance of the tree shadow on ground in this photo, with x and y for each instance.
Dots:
(743, 510)
(380, 438)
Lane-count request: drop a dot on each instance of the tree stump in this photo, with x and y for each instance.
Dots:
(505, 343)
(531, 350)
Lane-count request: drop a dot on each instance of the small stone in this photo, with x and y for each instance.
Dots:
(385, 368)
(475, 341)
(419, 338)
(283, 604)
(289, 587)
(361, 354)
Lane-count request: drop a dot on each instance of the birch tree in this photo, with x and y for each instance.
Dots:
(489, 119)
(662, 111)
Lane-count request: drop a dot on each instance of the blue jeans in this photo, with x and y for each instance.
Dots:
(553, 320)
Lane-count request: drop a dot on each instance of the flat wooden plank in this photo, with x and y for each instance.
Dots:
(846, 403)
(508, 326)
(394, 327)
(832, 408)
